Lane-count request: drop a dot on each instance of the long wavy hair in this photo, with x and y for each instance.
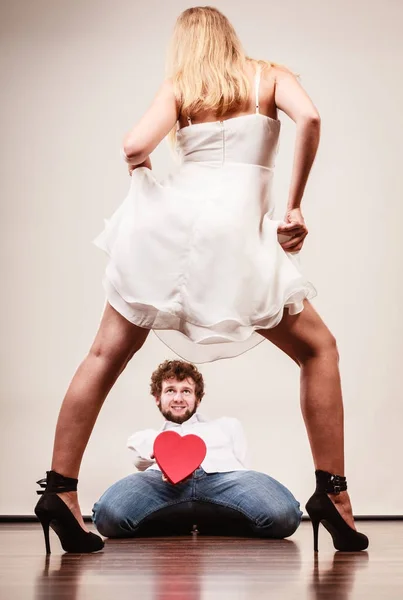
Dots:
(207, 63)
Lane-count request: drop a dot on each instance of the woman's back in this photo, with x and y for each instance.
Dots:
(266, 100)
(249, 138)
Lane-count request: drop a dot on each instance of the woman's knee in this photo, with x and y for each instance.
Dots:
(324, 345)
(117, 340)
(303, 336)
(116, 351)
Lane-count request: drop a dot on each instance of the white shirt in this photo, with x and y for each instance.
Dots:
(224, 438)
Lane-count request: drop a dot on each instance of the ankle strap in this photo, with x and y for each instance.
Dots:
(54, 483)
(329, 483)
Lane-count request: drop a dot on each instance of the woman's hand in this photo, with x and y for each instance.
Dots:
(294, 225)
(146, 163)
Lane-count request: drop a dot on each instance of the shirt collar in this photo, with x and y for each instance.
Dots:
(196, 418)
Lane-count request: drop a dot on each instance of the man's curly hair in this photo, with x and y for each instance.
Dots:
(179, 370)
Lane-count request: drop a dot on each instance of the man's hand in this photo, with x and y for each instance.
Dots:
(166, 479)
(183, 480)
(294, 225)
(163, 476)
(146, 163)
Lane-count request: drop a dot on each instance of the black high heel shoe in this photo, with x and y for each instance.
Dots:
(53, 512)
(322, 510)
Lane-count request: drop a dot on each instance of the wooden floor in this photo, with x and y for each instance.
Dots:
(203, 568)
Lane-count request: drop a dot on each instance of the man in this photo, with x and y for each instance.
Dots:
(222, 480)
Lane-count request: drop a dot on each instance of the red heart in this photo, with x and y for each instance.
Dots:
(178, 456)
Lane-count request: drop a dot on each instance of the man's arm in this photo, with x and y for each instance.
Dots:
(239, 443)
(141, 446)
(139, 462)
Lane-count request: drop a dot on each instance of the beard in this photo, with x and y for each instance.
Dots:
(170, 415)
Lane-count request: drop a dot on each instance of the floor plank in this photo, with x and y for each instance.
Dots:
(203, 568)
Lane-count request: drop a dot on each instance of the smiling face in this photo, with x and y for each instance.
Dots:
(178, 400)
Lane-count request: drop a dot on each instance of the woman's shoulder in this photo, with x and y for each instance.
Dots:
(277, 72)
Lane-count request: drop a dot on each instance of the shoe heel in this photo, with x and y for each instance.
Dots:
(52, 510)
(315, 526)
(45, 527)
(321, 509)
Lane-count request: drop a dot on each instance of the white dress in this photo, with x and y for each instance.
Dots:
(196, 257)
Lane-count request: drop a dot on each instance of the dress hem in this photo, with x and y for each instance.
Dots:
(137, 318)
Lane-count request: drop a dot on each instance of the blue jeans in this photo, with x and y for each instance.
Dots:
(270, 507)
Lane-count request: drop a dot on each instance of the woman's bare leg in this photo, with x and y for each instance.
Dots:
(115, 343)
(308, 341)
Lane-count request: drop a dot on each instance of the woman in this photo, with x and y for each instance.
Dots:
(198, 259)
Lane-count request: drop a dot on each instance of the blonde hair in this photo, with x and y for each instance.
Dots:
(206, 64)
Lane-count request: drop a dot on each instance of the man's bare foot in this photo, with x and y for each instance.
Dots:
(343, 505)
(71, 499)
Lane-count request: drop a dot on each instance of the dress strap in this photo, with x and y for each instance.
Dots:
(189, 120)
(257, 83)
